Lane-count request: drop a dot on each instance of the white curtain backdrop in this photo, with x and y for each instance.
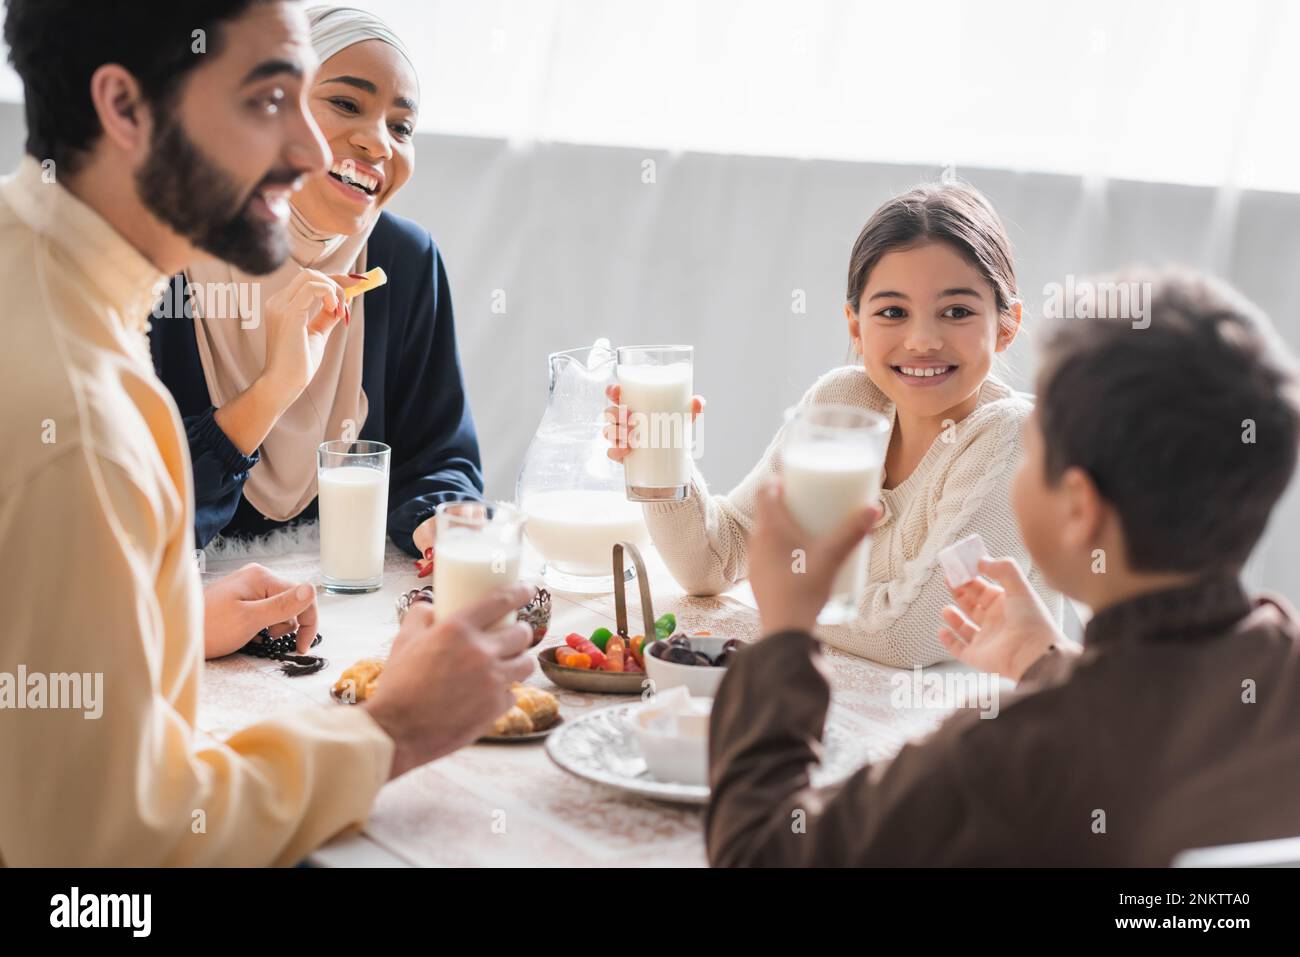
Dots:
(716, 250)
(1185, 91)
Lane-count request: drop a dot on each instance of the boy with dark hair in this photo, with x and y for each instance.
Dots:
(1152, 462)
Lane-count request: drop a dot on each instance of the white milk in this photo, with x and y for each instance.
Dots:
(575, 530)
(825, 483)
(659, 398)
(353, 521)
(467, 567)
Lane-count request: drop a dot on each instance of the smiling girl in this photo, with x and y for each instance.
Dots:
(931, 300)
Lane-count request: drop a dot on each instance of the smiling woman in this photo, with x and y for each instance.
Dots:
(366, 94)
(260, 394)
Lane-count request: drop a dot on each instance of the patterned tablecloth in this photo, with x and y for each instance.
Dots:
(508, 804)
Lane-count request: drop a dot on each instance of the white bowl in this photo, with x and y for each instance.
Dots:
(672, 758)
(700, 681)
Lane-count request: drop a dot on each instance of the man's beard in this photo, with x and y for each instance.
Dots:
(200, 201)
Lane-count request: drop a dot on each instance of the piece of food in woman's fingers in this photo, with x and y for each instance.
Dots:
(374, 278)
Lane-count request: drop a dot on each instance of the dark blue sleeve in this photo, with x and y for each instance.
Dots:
(220, 469)
(429, 412)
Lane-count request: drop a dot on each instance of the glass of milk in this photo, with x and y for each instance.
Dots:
(832, 459)
(476, 550)
(352, 480)
(656, 383)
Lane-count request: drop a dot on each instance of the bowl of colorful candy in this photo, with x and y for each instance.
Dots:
(603, 662)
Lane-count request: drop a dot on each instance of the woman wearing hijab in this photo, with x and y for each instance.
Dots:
(260, 388)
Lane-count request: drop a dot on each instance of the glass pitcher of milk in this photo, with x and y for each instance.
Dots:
(570, 491)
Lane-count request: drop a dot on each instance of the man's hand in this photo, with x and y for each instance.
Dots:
(1000, 626)
(446, 682)
(244, 602)
(792, 574)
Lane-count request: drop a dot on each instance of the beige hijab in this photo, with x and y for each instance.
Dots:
(232, 339)
(232, 349)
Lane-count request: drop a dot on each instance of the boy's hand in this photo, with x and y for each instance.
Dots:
(1002, 626)
(790, 599)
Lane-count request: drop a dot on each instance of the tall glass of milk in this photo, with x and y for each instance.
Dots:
(352, 479)
(476, 550)
(656, 384)
(832, 459)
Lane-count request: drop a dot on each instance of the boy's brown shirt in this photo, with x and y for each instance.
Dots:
(1177, 727)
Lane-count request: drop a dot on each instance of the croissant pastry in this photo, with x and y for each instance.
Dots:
(513, 721)
(359, 682)
(540, 706)
(533, 710)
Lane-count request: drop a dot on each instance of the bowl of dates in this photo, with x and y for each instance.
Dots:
(695, 662)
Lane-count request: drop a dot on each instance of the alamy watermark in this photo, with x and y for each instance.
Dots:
(75, 909)
(946, 690)
(178, 298)
(1088, 299)
(663, 430)
(68, 691)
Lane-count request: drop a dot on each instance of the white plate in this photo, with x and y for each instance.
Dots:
(602, 748)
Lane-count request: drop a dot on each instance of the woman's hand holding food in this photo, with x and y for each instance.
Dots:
(296, 338)
(295, 345)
